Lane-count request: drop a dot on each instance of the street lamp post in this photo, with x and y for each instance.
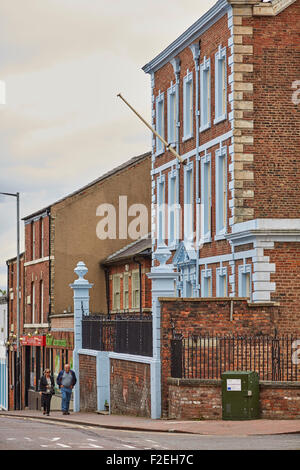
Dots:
(18, 365)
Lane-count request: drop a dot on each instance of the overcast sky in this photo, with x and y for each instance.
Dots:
(63, 63)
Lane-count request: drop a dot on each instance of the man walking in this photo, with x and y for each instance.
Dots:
(66, 380)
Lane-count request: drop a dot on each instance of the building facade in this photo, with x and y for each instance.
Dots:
(225, 222)
(222, 96)
(76, 227)
(12, 329)
(129, 288)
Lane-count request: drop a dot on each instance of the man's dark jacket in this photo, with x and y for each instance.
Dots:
(59, 377)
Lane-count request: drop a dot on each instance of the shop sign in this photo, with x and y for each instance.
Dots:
(38, 340)
(50, 341)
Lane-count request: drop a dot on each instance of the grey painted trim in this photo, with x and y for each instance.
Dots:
(190, 35)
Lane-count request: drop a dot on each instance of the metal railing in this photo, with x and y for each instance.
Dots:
(120, 333)
(207, 357)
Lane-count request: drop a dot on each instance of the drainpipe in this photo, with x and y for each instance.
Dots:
(195, 48)
(140, 278)
(106, 273)
(176, 66)
(49, 306)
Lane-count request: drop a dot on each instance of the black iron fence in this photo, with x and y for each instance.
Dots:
(207, 357)
(120, 333)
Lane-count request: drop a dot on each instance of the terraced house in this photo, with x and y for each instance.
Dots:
(227, 218)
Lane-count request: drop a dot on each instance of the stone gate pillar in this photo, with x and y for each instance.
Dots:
(81, 298)
(163, 280)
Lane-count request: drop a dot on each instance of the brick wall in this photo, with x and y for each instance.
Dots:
(209, 316)
(202, 399)
(286, 257)
(194, 399)
(130, 388)
(88, 383)
(276, 58)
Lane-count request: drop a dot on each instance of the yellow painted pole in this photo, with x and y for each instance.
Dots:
(168, 146)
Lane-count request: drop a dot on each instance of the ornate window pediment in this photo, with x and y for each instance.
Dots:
(184, 255)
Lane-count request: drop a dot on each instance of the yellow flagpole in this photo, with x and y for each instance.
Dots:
(168, 146)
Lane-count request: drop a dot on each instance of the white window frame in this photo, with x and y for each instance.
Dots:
(221, 276)
(173, 209)
(172, 124)
(33, 240)
(188, 202)
(220, 85)
(188, 106)
(205, 95)
(206, 194)
(245, 271)
(160, 123)
(125, 290)
(116, 291)
(42, 238)
(42, 300)
(33, 302)
(221, 193)
(205, 275)
(135, 303)
(161, 208)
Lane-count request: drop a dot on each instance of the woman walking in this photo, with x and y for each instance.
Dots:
(46, 390)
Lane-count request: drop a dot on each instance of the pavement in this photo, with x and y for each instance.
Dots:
(131, 423)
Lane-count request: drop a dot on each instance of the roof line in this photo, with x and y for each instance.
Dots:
(213, 14)
(119, 252)
(123, 166)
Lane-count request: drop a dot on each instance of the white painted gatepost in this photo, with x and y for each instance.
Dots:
(163, 280)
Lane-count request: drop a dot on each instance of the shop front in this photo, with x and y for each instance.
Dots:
(34, 354)
(59, 351)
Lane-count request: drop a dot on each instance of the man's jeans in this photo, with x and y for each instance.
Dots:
(66, 394)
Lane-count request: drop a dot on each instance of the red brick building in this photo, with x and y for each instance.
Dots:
(126, 271)
(12, 327)
(224, 94)
(56, 238)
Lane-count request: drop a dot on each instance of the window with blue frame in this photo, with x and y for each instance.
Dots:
(245, 280)
(206, 283)
(172, 115)
(221, 284)
(188, 106)
(206, 198)
(160, 122)
(205, 95)
(220, 85)
(221, 192)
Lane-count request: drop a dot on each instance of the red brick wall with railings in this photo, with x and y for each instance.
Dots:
(209, 316)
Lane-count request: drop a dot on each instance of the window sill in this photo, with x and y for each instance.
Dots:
(160, 152)
(187, 137)
(205, 240)
(220, 119)
(205, 127)
(220, 236)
